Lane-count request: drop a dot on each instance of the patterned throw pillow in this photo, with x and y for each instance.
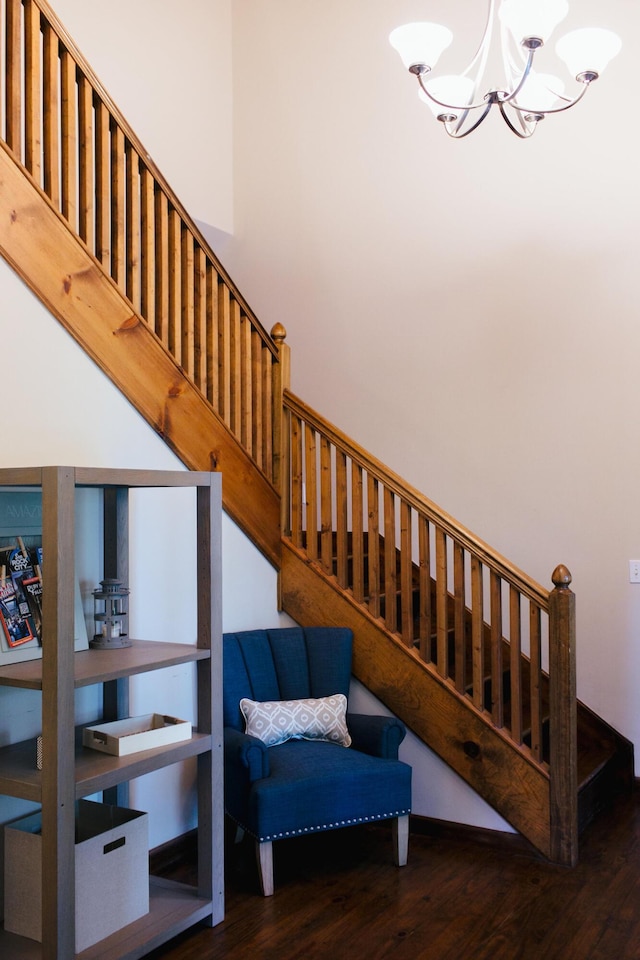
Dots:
(274, 721)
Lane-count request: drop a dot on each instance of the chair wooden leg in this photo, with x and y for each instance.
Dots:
(265, 866)
(401, 840)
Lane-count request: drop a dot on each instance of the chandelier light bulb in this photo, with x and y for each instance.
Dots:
(540, 92)
(532, 18)
(454, 94)
(588, 51)
(420, 44)
(461, 102)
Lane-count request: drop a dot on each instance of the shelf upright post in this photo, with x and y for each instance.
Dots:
(209, 673)
(58, 714)
(115, 693)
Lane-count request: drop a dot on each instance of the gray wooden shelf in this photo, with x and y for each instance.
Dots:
(72, 771)
(100, 666)
(94, 771)
(173, 908)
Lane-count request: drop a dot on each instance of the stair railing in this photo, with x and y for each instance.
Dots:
(63, 128)
(494, 636)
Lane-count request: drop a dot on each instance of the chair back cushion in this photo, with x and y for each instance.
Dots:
(286, 663)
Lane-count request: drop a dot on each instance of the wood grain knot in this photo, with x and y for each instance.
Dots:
(128, 324)
(471, 749)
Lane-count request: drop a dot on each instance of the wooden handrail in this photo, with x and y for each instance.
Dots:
(62, 126)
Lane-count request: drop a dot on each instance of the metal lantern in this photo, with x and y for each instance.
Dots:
(110, 615)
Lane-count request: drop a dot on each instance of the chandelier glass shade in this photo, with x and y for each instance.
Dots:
(459, 101)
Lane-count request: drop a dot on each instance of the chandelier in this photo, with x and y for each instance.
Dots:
(527, 97)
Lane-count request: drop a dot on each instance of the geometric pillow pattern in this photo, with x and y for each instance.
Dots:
(316, 718)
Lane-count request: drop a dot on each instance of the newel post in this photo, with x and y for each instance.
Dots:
(281, 382)
(563, 720)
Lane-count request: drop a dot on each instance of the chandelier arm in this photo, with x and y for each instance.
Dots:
(449, 106)
(460, 136)
(511, 96)
(482, 52)
(518, 133)
(567, 106)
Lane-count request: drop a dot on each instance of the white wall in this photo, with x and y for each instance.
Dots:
(468, 311)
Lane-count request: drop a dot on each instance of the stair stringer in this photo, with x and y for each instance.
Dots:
(39, 245)
(503, 775)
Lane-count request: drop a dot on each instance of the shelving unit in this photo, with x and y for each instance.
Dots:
(71, 771)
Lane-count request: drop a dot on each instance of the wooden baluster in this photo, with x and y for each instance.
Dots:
(246, 411)
(257, 395)
(211, 344)
(86, 164)
(14, 100)
(497, 693)
(297, 476)
(563, 720)
(102, 184)
(515, 664)
(32, 82)
(224, 352)
(267, 429)
(357, 532)
(442, 613)
(326, 507)
(406, 575)
(390, 561)
(426, 615)
(69, 139)
(187, 294)
(373, 547)
(51, 117)
(161, 217)
(147, 246)
(459, 631)
(281, 453)
(535, 658)
(174, 342)
(477, 632)
(342, 546)
(200, 319)
(235, 367)
(133, 227)
(118, 252)
(311, 492)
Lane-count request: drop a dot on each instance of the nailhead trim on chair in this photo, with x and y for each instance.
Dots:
(331, 826)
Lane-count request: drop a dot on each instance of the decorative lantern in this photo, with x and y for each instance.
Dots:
(110, 615)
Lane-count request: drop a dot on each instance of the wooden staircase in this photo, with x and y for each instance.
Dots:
(449, 635)
(477, 658)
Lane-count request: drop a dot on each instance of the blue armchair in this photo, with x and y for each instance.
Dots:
(294, 763)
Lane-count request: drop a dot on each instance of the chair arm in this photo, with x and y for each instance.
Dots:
(375, 735)
(243, 751)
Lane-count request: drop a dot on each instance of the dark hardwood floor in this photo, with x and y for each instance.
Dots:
(461, 897)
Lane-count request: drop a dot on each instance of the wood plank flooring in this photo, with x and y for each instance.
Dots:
(460, 897)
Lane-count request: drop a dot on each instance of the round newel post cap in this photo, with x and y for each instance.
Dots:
(278, 333)
(561, 578)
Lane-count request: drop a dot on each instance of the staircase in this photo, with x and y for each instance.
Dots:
(477, 658)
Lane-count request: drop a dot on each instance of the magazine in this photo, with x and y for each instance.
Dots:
(14, 613)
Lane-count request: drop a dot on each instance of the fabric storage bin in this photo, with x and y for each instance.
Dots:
(111, 866)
